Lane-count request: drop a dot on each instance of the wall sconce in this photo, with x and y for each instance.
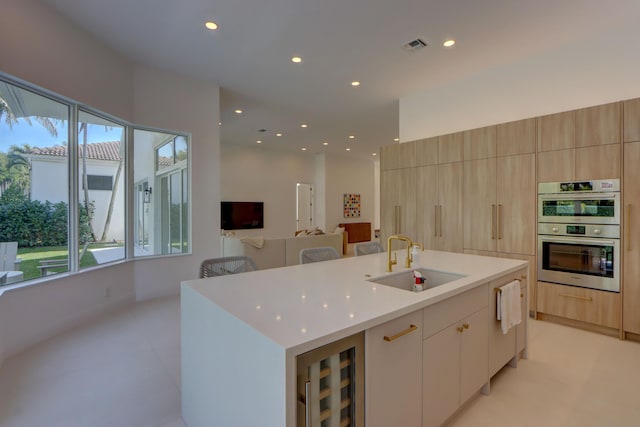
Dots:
(147, 195)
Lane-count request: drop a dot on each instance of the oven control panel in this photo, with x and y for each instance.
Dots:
(580, 230)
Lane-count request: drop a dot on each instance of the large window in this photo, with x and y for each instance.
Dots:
(63, 181)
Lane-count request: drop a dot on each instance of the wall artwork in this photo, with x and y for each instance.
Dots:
(351, 205)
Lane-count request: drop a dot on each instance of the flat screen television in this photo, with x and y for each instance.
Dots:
(241, 215)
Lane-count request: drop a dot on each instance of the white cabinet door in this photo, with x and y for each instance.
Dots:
(474, 354)
(440, 376)
(393, 361)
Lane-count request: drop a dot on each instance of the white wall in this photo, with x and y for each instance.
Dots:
(567, 78)
(346, 175)
(43, 48)
(259, 174)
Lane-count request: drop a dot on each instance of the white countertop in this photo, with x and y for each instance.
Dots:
(305, 306)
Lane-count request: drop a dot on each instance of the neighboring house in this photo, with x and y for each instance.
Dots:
(103, 158)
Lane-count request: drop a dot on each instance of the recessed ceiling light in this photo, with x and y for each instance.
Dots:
(396, 139)
(211, 25)
(296, 59)
(219, 123)
(278, 134)
(351, 136)
(304, 125)
(355, 83)
(258, 142)
(374, 154)
(449, 43)
(348, 149)
(304, 149)
(238, 111)
(325, 143)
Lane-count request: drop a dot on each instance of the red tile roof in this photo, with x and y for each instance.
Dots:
(96, 150)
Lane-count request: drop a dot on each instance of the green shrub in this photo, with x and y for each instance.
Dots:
(34, 223)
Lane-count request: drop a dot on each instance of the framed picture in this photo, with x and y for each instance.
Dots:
(351, 205)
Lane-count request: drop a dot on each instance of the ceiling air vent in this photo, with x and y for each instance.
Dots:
(415, 45)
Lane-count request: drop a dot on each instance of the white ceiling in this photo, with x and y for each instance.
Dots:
(339, 41)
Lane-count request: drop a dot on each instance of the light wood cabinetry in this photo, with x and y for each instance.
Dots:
(451, 148)
(516, 198)
(480, 207)
(598, 162)
(516, 138)
(585, 305)
(504, 348)
(427, 152)
(557, 131)
(455, 354)
(439, 206)
(631, 239)
(407, 154)
(598, 125)
(631, 120)
(557, 165)
(500, 210)
(389, 157)
(480, 143)
(393, 360)
(397, 202)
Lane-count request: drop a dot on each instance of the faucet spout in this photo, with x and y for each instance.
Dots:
(391, 262)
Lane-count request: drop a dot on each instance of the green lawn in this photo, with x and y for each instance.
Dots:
(31, 258)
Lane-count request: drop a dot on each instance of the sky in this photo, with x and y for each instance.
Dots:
(36, 135)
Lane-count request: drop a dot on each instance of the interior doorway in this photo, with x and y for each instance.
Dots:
(304, 206)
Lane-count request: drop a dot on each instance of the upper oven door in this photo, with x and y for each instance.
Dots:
(592, 208)
(580, 261)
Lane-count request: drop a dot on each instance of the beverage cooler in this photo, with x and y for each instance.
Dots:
(330, 384)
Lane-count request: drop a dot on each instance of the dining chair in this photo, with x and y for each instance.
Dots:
(226, 265)
(367, 248)
(323, 253)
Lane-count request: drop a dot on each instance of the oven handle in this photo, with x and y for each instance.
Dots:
(578, 240)
(580, 196)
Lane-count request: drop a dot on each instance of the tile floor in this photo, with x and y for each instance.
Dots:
(124, 370)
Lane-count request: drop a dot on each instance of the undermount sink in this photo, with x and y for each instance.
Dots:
(405, 279)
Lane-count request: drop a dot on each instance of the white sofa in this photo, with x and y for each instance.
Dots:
(279, 252)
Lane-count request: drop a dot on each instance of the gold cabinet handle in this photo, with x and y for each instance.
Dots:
(410, 329)
(440, 221)
(435, 230)
(577, 297)
(465, 325)
(493, 222)
(460, 329)
(627, 231)
(499, 222)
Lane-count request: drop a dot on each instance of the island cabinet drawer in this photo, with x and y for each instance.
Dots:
(586, 305)
(439, 316)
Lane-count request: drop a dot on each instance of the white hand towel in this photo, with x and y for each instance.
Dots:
(508, 306)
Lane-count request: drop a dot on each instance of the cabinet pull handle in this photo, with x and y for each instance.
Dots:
(440, 220)
(410, 329)
(499, 222)
(435, 228)
(524, 276)
(460, 329)
(493, 222)
(577, 297)
(465, 325)
(627, 233)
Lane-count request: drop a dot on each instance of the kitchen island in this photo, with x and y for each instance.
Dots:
(241, 334)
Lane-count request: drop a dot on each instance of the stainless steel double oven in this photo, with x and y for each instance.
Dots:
(579, 233)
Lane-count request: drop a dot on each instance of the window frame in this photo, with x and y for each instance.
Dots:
(74, 188)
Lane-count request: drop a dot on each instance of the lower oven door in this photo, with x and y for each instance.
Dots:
(579, 261)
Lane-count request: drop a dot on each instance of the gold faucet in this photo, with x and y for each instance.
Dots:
(391, 262)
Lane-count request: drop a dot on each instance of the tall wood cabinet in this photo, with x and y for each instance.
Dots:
(439, 193)
(499, 191)
(631, 239)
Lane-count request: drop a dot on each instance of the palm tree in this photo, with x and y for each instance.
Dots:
(51, 125)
